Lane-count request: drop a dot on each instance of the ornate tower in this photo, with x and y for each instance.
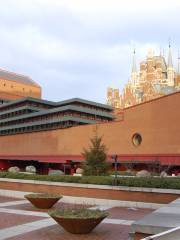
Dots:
(159, 76)
(113, 97)
(109, 95)
(178, 70)
(150, 70)
(177, 82)
(170, 69)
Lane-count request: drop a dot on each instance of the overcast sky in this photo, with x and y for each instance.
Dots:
(77, 48)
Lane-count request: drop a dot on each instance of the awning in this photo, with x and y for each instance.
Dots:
(163, 159)
(45, 159)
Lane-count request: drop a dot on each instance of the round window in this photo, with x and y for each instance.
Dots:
(136, 139)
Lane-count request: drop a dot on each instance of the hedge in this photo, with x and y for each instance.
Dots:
(148, 182)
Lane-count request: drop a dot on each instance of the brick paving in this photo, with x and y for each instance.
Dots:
(27, 222)
(6, 199)
(9, 220)
(101, 232)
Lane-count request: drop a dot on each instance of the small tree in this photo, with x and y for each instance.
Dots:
(95, 157)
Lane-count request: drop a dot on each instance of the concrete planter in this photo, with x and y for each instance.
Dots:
(42, 201)
(78, 225)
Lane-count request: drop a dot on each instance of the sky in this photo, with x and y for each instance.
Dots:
(78, 48)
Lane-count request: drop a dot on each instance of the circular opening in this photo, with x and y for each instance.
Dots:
(136, 139)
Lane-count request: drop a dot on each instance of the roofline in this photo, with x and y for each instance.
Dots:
(28, 99)
(21, 75)
(36, 109)
(57, 103)
(86, 102)
(152, 100)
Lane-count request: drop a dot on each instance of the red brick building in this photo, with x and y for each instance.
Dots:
(40, 134)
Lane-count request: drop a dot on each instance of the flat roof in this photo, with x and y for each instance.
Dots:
(43, 122)
(36, 109)
(60, 103)
(56, 110)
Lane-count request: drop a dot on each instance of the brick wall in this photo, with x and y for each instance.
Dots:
(157, 121)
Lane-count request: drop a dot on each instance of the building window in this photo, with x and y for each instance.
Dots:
(136, 139)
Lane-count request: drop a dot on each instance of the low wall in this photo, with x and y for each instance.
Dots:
(89, 191)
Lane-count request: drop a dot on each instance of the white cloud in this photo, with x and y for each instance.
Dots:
(79, 47)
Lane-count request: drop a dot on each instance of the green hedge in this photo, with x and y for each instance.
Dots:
(122, 173)
(148, 182)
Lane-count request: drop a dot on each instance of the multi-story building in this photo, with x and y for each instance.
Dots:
(34, 115)
(22, 110)
(53, 135)
(155, 78)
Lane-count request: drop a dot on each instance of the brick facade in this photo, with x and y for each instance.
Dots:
(156, 121)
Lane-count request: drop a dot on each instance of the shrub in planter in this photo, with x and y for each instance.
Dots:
(43, 200)
(78, 220)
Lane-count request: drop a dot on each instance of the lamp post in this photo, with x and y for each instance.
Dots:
(115, 158)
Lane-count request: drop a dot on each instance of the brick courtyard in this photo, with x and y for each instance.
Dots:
(20, 220)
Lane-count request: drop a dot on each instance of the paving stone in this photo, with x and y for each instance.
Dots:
(101, 232)
(28, 222)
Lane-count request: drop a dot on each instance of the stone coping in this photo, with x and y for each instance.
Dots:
(94, 186)
(163, 219)
(173, 233)
(88, 200)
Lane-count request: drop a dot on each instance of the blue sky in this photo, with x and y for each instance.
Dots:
(77, 48)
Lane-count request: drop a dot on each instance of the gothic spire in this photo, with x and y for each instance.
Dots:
(170, 62)
(134, 67)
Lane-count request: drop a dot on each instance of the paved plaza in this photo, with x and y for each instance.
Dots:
(19, 220)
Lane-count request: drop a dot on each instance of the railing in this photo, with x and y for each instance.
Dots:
(172, 234)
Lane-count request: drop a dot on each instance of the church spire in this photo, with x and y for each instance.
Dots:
(134, 73)
(134, 67)
(170, 69)
(170, 62)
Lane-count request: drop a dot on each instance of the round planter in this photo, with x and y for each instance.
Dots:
(78, 225)
(42, 201)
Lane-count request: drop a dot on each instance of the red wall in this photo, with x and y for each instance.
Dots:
(157, 121)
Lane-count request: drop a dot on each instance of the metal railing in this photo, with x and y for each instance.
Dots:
(172, 234)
